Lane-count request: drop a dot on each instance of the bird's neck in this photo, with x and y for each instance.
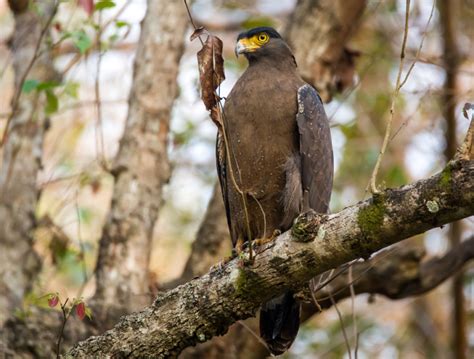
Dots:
(281, 63)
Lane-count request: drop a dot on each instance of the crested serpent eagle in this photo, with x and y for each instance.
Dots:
(281, 161)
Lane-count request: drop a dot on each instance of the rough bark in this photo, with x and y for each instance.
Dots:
(318, 32)
(22, 151)
(396, 274)
(451, 59)
(141, 166)
(205, 307)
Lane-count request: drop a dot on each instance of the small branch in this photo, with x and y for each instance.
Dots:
(19, 88)
(99, 134)
(388, 130)
(65, 317)
(341, 321)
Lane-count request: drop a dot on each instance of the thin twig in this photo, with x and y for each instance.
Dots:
(354, 319)
(77, 57)
(348, 346)
(417, 58)
(255, 335)
(191, 19)
(372, 184)
(81, 247)
(16, 97)
(99, 139)
(418, 52)
(63, 325)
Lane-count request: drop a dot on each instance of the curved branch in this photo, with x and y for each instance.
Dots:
(401, 273)
(205, 307)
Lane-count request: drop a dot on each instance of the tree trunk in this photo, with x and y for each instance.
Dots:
(451, 56)
(22, 151)
(141, 167)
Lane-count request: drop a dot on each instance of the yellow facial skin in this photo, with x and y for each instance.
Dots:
(251, 44)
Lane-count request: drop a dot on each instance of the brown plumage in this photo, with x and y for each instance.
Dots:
(280, 157)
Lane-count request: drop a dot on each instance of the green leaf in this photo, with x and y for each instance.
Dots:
(82, 41)
(72, 89)
(42, 86)
(88, 313)
(52, 103)
(120, 23)
(113, 38)
(104, 4)
(29, 85)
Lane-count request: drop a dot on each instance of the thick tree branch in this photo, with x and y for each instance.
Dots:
(398, 273)
(205, 307)
(141, 166)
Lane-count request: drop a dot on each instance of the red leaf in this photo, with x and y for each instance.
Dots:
(53, 300)
(87, 5)
(211, 69)
(81, 310)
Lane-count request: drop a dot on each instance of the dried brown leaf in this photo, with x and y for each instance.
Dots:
(216, 117)
(211, 70)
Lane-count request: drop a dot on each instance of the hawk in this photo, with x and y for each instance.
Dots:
(274, 159)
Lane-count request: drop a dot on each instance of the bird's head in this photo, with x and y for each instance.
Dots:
(261, 42)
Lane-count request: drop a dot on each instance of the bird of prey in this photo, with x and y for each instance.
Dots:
(274, 159)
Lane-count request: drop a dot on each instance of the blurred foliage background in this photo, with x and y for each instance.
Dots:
(76, 189)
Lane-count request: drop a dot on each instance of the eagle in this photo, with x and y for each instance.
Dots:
(274, 160)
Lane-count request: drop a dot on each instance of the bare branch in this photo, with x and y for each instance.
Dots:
(398, 86)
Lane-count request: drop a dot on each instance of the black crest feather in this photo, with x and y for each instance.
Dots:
(269, 30)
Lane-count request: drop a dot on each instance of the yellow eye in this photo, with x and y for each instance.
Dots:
(262, 38)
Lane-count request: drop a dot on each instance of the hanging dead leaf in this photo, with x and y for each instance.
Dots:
(196, 33)
(216, 117)
(211, 69)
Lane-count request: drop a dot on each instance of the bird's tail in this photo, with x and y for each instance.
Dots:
(279, 322)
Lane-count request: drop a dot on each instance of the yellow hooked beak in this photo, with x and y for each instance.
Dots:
(245, 45)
